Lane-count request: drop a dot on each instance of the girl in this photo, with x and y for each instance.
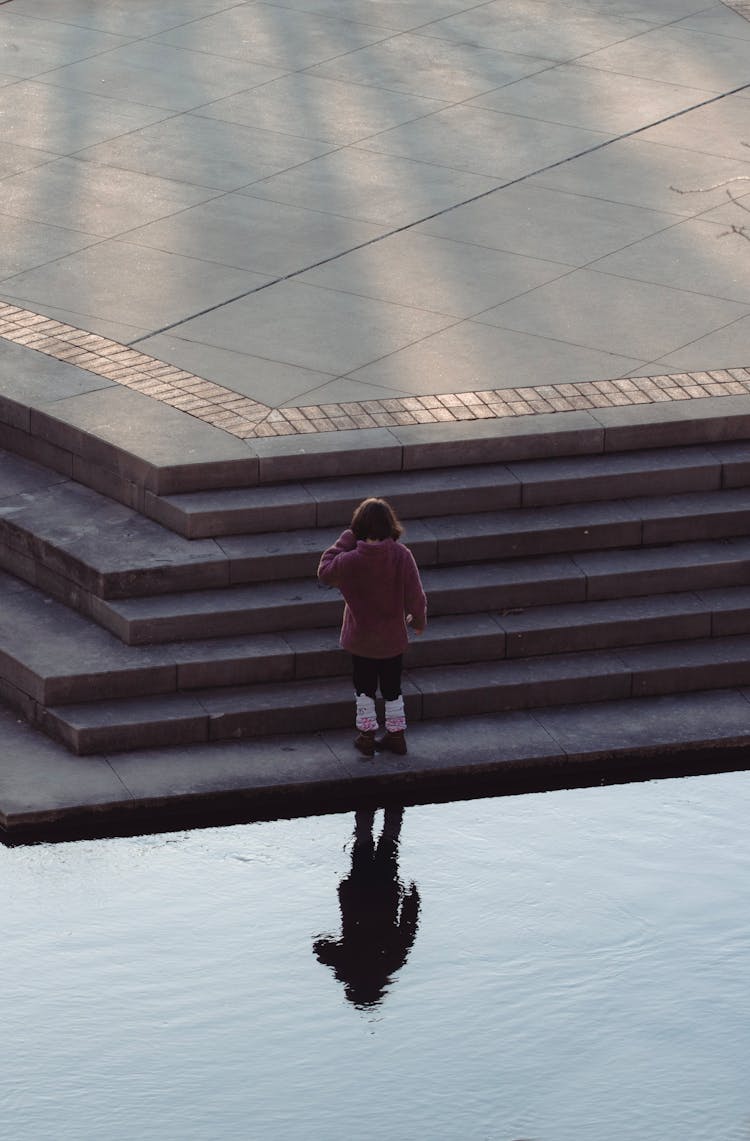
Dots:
(379, 580)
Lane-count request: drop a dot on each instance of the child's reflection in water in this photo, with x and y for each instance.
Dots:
(379, 916)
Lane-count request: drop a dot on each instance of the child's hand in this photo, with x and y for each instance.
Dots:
(410, 622)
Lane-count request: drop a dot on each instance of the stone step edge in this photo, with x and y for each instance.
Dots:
(321, 503)
(308, 774)
(512, 635)
(429, 693)
(100, 451)
(520, 533)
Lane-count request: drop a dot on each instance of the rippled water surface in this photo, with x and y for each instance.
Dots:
(563, 967)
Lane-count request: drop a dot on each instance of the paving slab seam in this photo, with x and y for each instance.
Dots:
(508, 184)
(245, 419)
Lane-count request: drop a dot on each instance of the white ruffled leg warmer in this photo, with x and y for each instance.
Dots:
(367, 721)
(395, 719)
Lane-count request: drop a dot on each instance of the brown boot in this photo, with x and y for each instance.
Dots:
(365, 742)
(392, 743)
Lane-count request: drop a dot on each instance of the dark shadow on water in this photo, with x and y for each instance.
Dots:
(379, 914)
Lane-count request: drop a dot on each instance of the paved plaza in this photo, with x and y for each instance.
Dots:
(311, 216)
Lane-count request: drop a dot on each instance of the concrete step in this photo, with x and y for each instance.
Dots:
(454, 491)
(434, 692)
(80, 546)
(49, 795)
(53, 655)
(301, 604)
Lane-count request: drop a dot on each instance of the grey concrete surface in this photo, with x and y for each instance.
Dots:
(434, 171)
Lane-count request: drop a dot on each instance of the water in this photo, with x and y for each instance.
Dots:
(578, 972)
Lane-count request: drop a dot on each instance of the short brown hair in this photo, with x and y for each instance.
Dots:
(375, 519)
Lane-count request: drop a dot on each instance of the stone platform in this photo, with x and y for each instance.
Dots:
(248, 245)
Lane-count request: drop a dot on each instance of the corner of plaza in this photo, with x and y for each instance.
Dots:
(261, 261)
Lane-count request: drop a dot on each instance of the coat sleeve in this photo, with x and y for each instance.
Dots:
(414, 596)
(329, 566)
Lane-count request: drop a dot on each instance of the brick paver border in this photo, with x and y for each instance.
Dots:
(245, 418)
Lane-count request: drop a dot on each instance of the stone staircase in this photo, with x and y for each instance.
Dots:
(569, 580)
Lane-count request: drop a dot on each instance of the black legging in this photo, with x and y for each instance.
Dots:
(369, 673)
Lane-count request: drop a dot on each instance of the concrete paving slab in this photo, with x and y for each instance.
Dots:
(484, 142)
(734, 212)
(315, 107)
(14, 157)
(538, 29)
(64, 126)
(599, 101)
(401, 15)
(31, 47)
(697, 59)
(277, 37)
(369, 187)
(345, 391)
(116, 280)
(249, 233)
(126, 17)
(29, 244)
(595, 308)
(158, 75)
(204, 152)
(433, 68)
(714, 350)
(647, 175)
(692, 253)
(718, 20)
(718, 128)
(270, 382)
(116, 331)
(434, 273)
(526, 220)
(323, 329)
(472, 354)
(87, 198)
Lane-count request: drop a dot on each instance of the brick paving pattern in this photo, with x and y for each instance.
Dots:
(246, 418)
